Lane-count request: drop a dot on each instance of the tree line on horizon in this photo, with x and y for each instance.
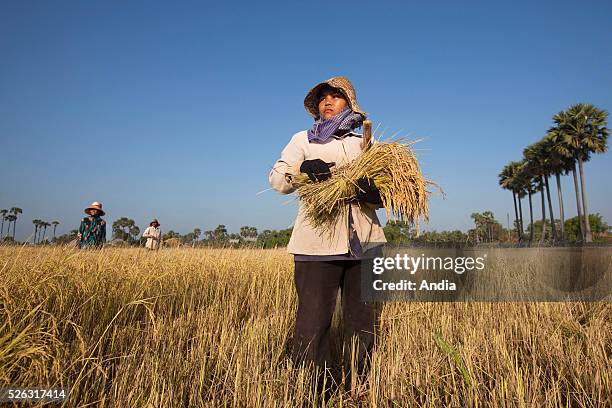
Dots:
(11, 216)
(577, 133)
(487, 230)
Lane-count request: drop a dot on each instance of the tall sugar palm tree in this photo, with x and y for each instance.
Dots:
(55, 224)
(507, 182)
(15, 211)
(10, 218)
(520, 194)
(532, 166)
(518, 186)
(41, 235)
(561, 165)
(530, 188)
(36, 223)
(535, 155)
(3, 213)
(44, 224)
(584, 132)
(566, 150)
(548, 159)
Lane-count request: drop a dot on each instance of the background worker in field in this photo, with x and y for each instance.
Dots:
(328, 259)
(92, 231)
(153, 235)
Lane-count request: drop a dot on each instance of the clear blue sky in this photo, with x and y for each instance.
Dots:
(179, 111)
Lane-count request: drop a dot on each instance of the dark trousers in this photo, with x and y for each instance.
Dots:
(317, 285)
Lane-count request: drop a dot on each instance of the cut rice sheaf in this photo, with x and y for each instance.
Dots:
(395, 171)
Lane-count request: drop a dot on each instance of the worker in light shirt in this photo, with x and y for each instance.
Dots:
(153, 235)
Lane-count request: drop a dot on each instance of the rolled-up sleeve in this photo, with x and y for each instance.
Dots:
(291, 158)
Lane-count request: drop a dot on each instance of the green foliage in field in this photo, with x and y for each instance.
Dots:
(274, 238)
(598, 227)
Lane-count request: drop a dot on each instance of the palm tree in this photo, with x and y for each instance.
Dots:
(10, 218)
(535, 156)
(15, 211)
(584, 131)
(36, 226)
(509, 180)
(530, 188)
(549, 162)
(41, 236)
(55, 224)
(561, 165)
(565, 150)
(44, 224)
(3, 213)
(524, 188)
(520, 194)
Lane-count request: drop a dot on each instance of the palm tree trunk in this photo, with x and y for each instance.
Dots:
(2, 229)
(35, 233)
(520, 216)
(516, 218)
(55, 226)
(561, 211)
(587, 225)
(550, 211)
(578, 206)
(530, 220)
(542, 185)
(14, 226)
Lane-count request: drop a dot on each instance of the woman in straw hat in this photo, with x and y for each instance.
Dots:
(92, 231)
(328, 259)
(153, 235)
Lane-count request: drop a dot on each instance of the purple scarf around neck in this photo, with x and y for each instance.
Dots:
(322, 129)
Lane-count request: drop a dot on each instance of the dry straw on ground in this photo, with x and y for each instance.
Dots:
(211, 327)
(395, 171)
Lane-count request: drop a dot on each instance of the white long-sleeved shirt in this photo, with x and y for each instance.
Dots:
(153, 235)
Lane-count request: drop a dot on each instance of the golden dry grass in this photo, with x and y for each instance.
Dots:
(211, 327)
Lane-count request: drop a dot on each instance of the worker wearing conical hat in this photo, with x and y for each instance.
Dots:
(92, 231)
(153, 235)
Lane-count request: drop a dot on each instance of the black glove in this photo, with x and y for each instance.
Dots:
(367, 191)
(317, 169)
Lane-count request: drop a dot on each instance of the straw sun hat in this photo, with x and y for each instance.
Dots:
(94, 206)
(311, 102)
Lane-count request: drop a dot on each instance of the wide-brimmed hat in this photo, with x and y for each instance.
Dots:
(311, 102)
(154, 221)
(94, 206)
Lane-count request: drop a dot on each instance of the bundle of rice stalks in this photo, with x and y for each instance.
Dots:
(394, 169)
